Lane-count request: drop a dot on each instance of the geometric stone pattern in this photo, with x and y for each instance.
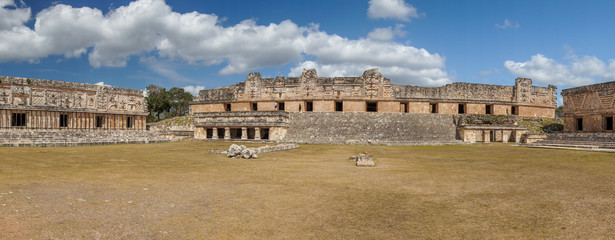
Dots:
(589, 109)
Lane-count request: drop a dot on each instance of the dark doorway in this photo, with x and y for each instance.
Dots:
(235, 133)
(209, 133)
(433, 108)
(18, 120)
(372, 107)
(220, 132)
(489, 109)
(254, 107)
(228, 107)
(461, 109)
(609, 123)
(129, 122)
(63, 120)
(309, 106)
(264, 133)
(339, 106)
(281, 106)
(514, 110)
(579, 124)
(99, 121)
(251, 133)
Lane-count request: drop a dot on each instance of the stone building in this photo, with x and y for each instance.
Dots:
(589, 108)
(264, 108)
(37, 111)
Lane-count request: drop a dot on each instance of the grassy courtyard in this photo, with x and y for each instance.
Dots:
(180, 191)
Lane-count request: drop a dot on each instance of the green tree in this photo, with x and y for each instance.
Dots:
(157, 102)
(559, 112)
(179, 101)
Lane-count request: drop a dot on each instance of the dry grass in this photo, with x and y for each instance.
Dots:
(179, 191)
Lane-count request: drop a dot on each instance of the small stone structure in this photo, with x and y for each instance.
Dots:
(363, 160)
(280, 109)
(590, 109)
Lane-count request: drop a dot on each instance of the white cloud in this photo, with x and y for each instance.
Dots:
(387, 34)
(580, 70)
(507, 24)
(12, 16)
(150, 27)
(194, 90)
(102, 84)
(391, 9)
(399, 75)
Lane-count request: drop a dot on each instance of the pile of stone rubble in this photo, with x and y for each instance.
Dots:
(363, 160)
(241, 151)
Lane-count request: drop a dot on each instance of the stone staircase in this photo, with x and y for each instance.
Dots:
(68, 137)
(603, 142)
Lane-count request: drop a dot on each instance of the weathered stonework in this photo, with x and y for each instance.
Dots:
(30, 105)
(374, 92)
(242, 105)
(589, 108)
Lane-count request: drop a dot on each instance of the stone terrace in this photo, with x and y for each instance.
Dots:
(604, 142)
(66, 137)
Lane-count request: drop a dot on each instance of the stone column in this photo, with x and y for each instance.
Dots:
(518, 135)
(214, 133)
(505, 136)
(487, 136)
(472, 136)
(227, 133)
(257, 133)
(244, 133)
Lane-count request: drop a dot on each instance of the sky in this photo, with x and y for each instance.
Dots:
(207, 44)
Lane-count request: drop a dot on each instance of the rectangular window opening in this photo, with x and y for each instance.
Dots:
(514, 110)
(404, 107)
(372, 106)
(433, 108)
(281, 106)
(461, 109)
(129, 122)
(254, 107)
(309, 106)
(489, 109)
(18, 120)
(63, 120)
(228, 107)
(609, 123)
(579, 124)
(339, 106)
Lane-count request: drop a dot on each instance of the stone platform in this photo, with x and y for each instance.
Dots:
(69, 137)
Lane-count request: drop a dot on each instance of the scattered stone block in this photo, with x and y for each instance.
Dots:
(363, 160)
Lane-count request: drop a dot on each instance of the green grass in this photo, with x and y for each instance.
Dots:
(179, 191)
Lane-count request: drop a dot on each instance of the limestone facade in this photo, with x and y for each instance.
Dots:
(589, 108)
(31, 104)
(371, 92)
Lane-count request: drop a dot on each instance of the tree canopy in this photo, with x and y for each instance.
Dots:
(163, 104)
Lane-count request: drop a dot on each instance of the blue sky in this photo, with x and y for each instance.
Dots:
(215, 43)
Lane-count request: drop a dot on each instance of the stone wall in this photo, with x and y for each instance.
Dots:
(44, 104)
(27, 93)
(356, 93)
(371, 128)
(75, 137)
(589, 108)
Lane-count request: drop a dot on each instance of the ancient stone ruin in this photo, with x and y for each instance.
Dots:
(588, 113)
(362, 110)
(38, 112)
